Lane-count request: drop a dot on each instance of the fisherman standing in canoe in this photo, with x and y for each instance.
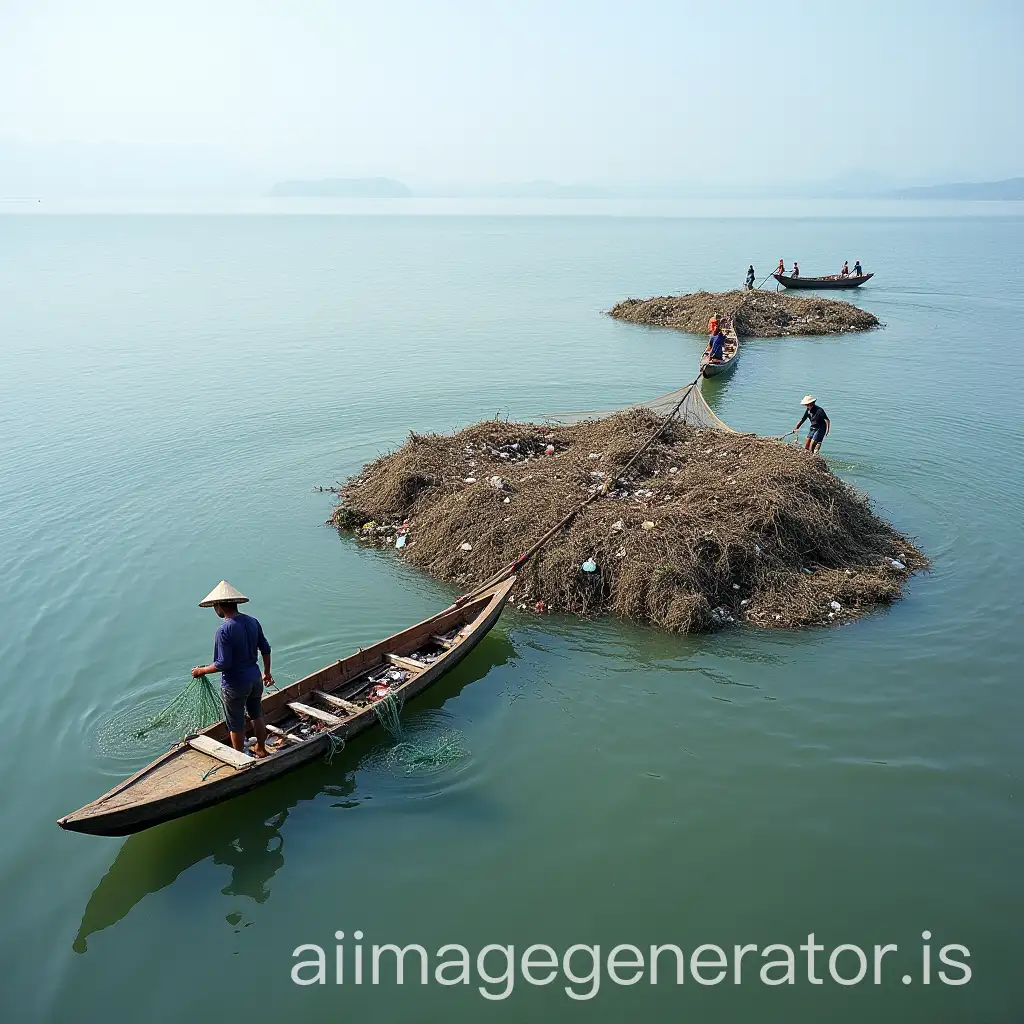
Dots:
(235, 645)
(858, 270)
(820, 423)
(781, 268)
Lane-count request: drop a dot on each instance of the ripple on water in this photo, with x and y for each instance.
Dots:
(127, 735)
(430, 758)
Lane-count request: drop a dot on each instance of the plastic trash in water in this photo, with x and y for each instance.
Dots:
(400, 541)
(589, 565)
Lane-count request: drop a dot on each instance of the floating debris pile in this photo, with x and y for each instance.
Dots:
(755, 314)
(708, 529)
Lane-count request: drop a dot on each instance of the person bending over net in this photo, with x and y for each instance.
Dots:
(235, 645)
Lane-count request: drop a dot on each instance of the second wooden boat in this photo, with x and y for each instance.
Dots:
(306, 720)
(831, 281)
(731, 353)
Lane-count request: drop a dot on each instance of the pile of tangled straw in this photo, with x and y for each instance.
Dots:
(755, 314)
(709, 528)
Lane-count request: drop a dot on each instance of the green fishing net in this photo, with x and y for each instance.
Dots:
(415, 755)
(154, 723)
(196, 707)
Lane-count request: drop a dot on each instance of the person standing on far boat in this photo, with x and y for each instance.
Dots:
(781, 269)
(235, 645)
(750, 277)
(820, 423)
(845, 272)
(858, 270)
(796, 269)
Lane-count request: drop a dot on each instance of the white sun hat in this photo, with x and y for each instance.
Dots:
(808, 400)
(223, 593)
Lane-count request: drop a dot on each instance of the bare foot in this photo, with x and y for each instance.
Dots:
(260, 752)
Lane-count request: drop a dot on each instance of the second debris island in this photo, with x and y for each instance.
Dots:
(754, 314)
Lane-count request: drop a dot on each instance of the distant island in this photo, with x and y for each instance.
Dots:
(1010, 189)
(344, 188)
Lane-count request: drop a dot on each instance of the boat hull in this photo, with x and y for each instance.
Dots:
(212, 782)
(822, 283)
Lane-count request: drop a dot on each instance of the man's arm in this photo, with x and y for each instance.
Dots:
(221, 659)
(802, 418)
(264, 646)
(828, 425)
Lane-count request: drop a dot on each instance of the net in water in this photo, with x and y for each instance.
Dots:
(156, 723)
(414, 756)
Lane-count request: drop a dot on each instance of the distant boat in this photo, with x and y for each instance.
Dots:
(731, 352)
(831, 281)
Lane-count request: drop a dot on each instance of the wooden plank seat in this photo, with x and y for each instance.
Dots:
(221, 751)
(321, 716)
(275, 731)
(339, 702)
(407, 663)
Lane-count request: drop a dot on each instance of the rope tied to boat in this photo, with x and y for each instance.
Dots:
(335, 744)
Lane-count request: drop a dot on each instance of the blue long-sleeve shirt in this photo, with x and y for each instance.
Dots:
(235, 646)
(717, 342)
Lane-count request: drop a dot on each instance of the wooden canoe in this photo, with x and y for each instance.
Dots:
(731, 353)
(336, 701)
(832, 281)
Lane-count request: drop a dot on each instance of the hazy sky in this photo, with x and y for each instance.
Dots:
(480, 91)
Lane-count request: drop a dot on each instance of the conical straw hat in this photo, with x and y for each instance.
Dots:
(808, 400)
(223, 593)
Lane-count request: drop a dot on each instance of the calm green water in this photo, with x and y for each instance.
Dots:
(172, 388)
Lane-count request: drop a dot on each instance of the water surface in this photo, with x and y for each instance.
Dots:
(174, 386)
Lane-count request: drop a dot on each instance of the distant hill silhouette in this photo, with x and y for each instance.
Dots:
(347, 188)
(1011, 188)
